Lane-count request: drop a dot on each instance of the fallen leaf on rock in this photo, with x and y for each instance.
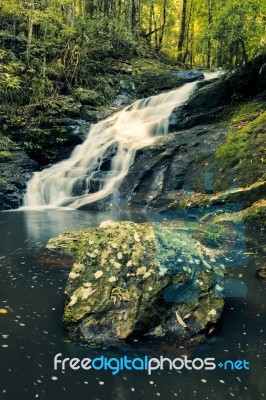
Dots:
(136, 237)
(118, 330)
(180, 321)
(125, 315)
(211, 329)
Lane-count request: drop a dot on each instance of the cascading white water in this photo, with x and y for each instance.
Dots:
(88, 176)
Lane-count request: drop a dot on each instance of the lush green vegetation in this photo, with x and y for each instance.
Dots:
(54, 46)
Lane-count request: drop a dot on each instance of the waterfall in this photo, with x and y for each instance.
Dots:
(96, 168)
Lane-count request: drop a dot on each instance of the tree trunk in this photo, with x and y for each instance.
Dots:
(90, 7)
(134, 15)
(81, 7)
(119, 9)
(191, 62)
(209, 6)
(151, 20)
(106, 7)
(70, 13)
(30, 30)
(161, 36)
(183, 18)
(186, 53)
(155, 28)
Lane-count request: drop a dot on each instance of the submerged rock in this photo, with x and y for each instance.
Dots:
(261, 273)
(136, 280)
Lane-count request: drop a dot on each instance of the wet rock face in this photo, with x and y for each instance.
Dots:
(176, 161)
(15, 169)
(134, 280)
(207, 104)
(149, 83)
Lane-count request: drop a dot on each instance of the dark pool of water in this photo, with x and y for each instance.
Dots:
(31, 333)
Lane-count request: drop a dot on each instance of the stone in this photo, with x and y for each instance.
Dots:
(135, 280)
(171, 164)
(15, 169)
(150, 83)
(261, 273)
(89, 96)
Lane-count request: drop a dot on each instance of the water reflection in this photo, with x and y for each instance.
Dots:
(42, 225)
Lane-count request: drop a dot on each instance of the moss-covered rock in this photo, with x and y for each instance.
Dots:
(242, 158)
(89, 96)
(256, 214)
(212, 235)
(245, 196)
(131, 280)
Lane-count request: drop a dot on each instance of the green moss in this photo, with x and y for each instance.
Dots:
(144, 64)
(68, 317)
(5, 154)
(242, 158)
(248, 111)
(239, 141)
(6, 143)
(212, 235)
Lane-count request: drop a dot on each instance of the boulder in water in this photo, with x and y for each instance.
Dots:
(131, 281)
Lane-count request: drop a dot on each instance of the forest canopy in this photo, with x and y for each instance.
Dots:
(48, 46)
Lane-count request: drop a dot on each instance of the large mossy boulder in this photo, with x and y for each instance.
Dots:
(134, 280)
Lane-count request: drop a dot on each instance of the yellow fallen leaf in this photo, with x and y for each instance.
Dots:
(211, 329)
(180, 320)
(3, 311)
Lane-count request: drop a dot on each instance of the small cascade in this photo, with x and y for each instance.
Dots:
(96, 168)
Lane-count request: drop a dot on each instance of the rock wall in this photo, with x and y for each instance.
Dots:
(15, 169)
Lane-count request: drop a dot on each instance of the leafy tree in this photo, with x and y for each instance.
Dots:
(53, 46)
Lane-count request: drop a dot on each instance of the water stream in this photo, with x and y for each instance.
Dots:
(32, 333)
(97, 167)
